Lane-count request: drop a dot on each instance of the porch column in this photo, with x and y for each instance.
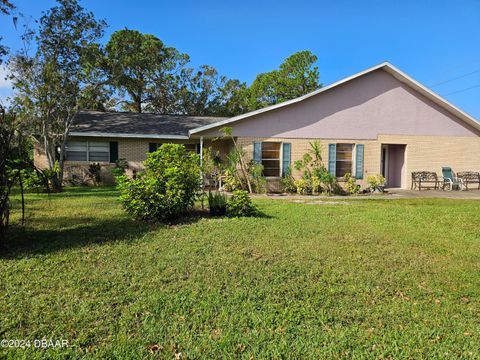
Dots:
(201, 150)
(201, 160)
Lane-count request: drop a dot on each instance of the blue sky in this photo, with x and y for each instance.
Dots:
(432, 41)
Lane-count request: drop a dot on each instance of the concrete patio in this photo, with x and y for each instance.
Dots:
(390, 194)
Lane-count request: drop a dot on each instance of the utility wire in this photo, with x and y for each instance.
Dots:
(462, 90)
(456, 78)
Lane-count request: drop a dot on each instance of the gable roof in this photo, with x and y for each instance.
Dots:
(137, 125)
(386, 66)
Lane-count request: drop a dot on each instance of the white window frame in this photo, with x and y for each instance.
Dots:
(352, 169)
(280, 159)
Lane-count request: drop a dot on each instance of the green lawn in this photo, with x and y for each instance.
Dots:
(345, 279)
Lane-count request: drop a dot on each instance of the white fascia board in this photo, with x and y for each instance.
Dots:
(122, 135)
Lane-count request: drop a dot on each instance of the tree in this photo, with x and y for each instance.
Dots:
(5, 8)
(232, 95)
(199, 93)
(13, 159)
(206, 93)
(96, 94)
(49, 85)
(139, 65)
(296, 76)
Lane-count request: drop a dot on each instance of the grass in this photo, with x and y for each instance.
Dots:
(347, 279)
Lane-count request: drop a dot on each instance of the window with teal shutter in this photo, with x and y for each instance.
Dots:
(257, 152)
(359, 161)
(286, 155)
(332, 158)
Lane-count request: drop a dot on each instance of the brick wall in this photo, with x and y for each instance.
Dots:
(423, 153)
(302, 146)
(134, 151)
(430, 153)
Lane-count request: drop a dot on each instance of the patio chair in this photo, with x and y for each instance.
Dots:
(451, 181)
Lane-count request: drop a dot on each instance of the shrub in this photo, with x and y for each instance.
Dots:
(249, 177)
(351, 184)
(94, 173)
(240, 204)
(375, 182)
(288, 182)
(230, 181)
(120, 168)
(301, 185)
(258, 181)
(315, 176)
(166, 189)
(33, 181)
(217, 203)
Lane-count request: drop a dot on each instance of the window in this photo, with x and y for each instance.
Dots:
(271, 158)
(88, 151)
(344, 156)
(98, 151)
(193, 148)
(77, 151)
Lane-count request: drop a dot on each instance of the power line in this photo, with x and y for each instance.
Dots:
(456, 78)
(462, 90)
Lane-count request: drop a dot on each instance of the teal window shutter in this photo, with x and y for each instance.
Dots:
(332, 159)
(286, 156)
(359, 161)
(257, 152)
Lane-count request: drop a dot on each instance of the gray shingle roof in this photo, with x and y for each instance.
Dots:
(134, 123)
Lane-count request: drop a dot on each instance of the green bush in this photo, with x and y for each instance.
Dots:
(258, 181)
(315, 177)
(217, 203)
(288, 182)
(351, 184)
(376, 182)
(240, 204)
(120, 168)
(166, 189)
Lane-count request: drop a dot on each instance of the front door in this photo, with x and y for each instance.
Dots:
(393, 165)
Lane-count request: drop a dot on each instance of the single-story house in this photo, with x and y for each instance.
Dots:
(378, 121)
